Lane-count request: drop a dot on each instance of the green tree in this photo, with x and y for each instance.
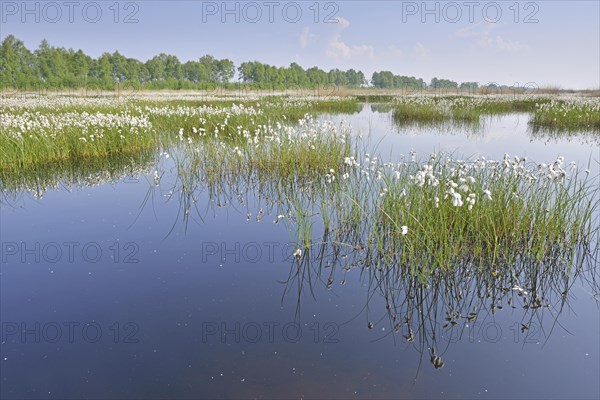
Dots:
(156, 68)
(225, 70)
(53, 66)
(17, 64)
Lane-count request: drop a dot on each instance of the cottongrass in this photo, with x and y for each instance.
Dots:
(443, 213)
(569, 115)
(286, 161)
(32, 140)
(565, 113)
(59, 129)
(420, 216)
(466, 109)
(306, 149)
(443, 241)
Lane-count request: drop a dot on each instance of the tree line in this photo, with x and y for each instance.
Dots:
(57, 67)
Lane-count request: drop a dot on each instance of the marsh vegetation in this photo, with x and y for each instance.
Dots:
(439, 237)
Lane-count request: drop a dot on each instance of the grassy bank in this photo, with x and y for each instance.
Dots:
(41, 131)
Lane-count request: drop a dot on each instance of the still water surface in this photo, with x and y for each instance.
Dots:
(112, 296)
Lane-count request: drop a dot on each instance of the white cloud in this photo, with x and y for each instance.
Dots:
(475, 30)
(306, 37)
(482, 34)
(395, 51)
(343, 23)
(509, 45)
(421, 50)
(338, 49)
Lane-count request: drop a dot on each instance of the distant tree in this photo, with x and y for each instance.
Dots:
(225, 70)
(102, 72)
(80, 65)
(58, 67)
(172, 66)
(17, 64)
(53, 65)
(210, 64)
(469, 85)
(156, 68)
(383, 79)
(316, 76)
(442, 83)
(194, 72)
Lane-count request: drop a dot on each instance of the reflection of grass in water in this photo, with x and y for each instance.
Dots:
(440, 126)
(546, 134)
(77, 173)
(518, 243)
(456, 304)
(381, 108)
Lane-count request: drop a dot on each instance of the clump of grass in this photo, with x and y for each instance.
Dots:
(303, 151)
(436, 111)
(577, 113)
(568, 115)
(444, 213)
(546, 133)
(413, 112)
(283, 163)
(421, 218)
(375, 98)
(32, 140)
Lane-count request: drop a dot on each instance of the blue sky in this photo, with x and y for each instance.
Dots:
(544, 42)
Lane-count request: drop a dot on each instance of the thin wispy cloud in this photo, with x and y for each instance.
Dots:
(482, 34)
(422, 51)
(395, 51)
(504, 44)
(306, 37)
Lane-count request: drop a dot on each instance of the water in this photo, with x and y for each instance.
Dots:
(114, 296)
(495, 136)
